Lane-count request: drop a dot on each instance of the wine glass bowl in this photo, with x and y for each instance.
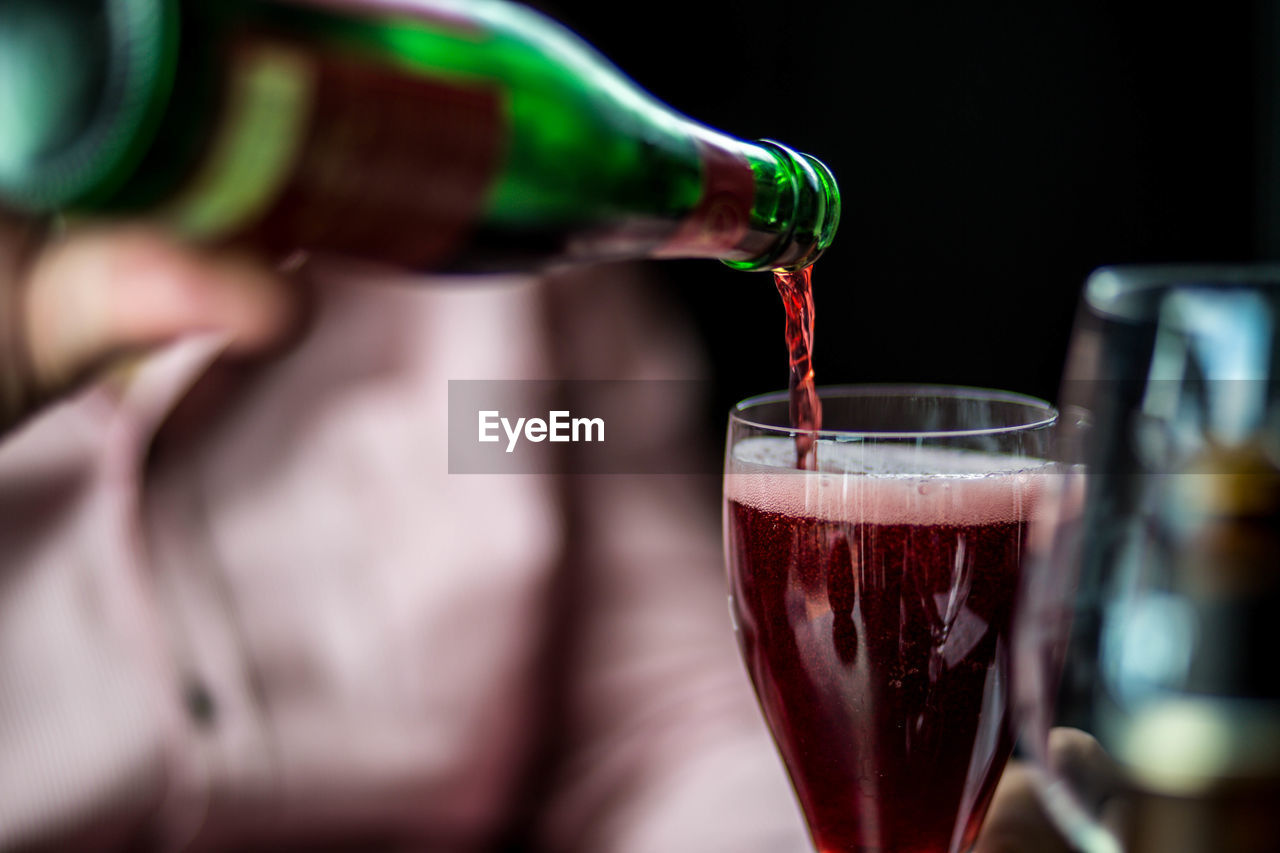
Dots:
(872, 598)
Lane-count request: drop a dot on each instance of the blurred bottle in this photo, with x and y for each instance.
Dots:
(441, 134)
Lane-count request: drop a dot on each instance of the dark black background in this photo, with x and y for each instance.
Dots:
(990, 153)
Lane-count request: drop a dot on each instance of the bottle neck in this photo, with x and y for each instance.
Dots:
(762, 206)
(798, 204)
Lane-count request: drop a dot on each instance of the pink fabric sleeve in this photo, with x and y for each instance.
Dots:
(91, 704)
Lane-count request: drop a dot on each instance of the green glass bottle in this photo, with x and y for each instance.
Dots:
(440, 134)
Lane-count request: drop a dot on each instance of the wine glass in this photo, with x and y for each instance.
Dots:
(872, 599)
(1148, 693)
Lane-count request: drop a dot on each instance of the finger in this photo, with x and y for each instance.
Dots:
(1016, 823)
(115, 292)
(1078, 759)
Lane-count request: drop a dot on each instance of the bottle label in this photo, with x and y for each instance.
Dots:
(339, 153)
(722, 218)
(253, 149)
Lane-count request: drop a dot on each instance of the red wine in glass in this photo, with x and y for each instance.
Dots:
(796, 289)
(874, 620)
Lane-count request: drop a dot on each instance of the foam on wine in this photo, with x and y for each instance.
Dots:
(884, 484)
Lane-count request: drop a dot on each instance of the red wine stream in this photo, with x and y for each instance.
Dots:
(796, 289)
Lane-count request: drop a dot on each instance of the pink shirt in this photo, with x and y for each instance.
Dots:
(274, 619)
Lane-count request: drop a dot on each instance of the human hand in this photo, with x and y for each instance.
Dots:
(72, 307)
(1016, 822)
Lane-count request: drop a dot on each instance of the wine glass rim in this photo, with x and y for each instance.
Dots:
(1107, 286)
(1049, 413)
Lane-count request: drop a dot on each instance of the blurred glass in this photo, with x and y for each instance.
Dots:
(1153, 577)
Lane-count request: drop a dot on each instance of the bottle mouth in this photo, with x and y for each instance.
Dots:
(815, 214)
(82, 83)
